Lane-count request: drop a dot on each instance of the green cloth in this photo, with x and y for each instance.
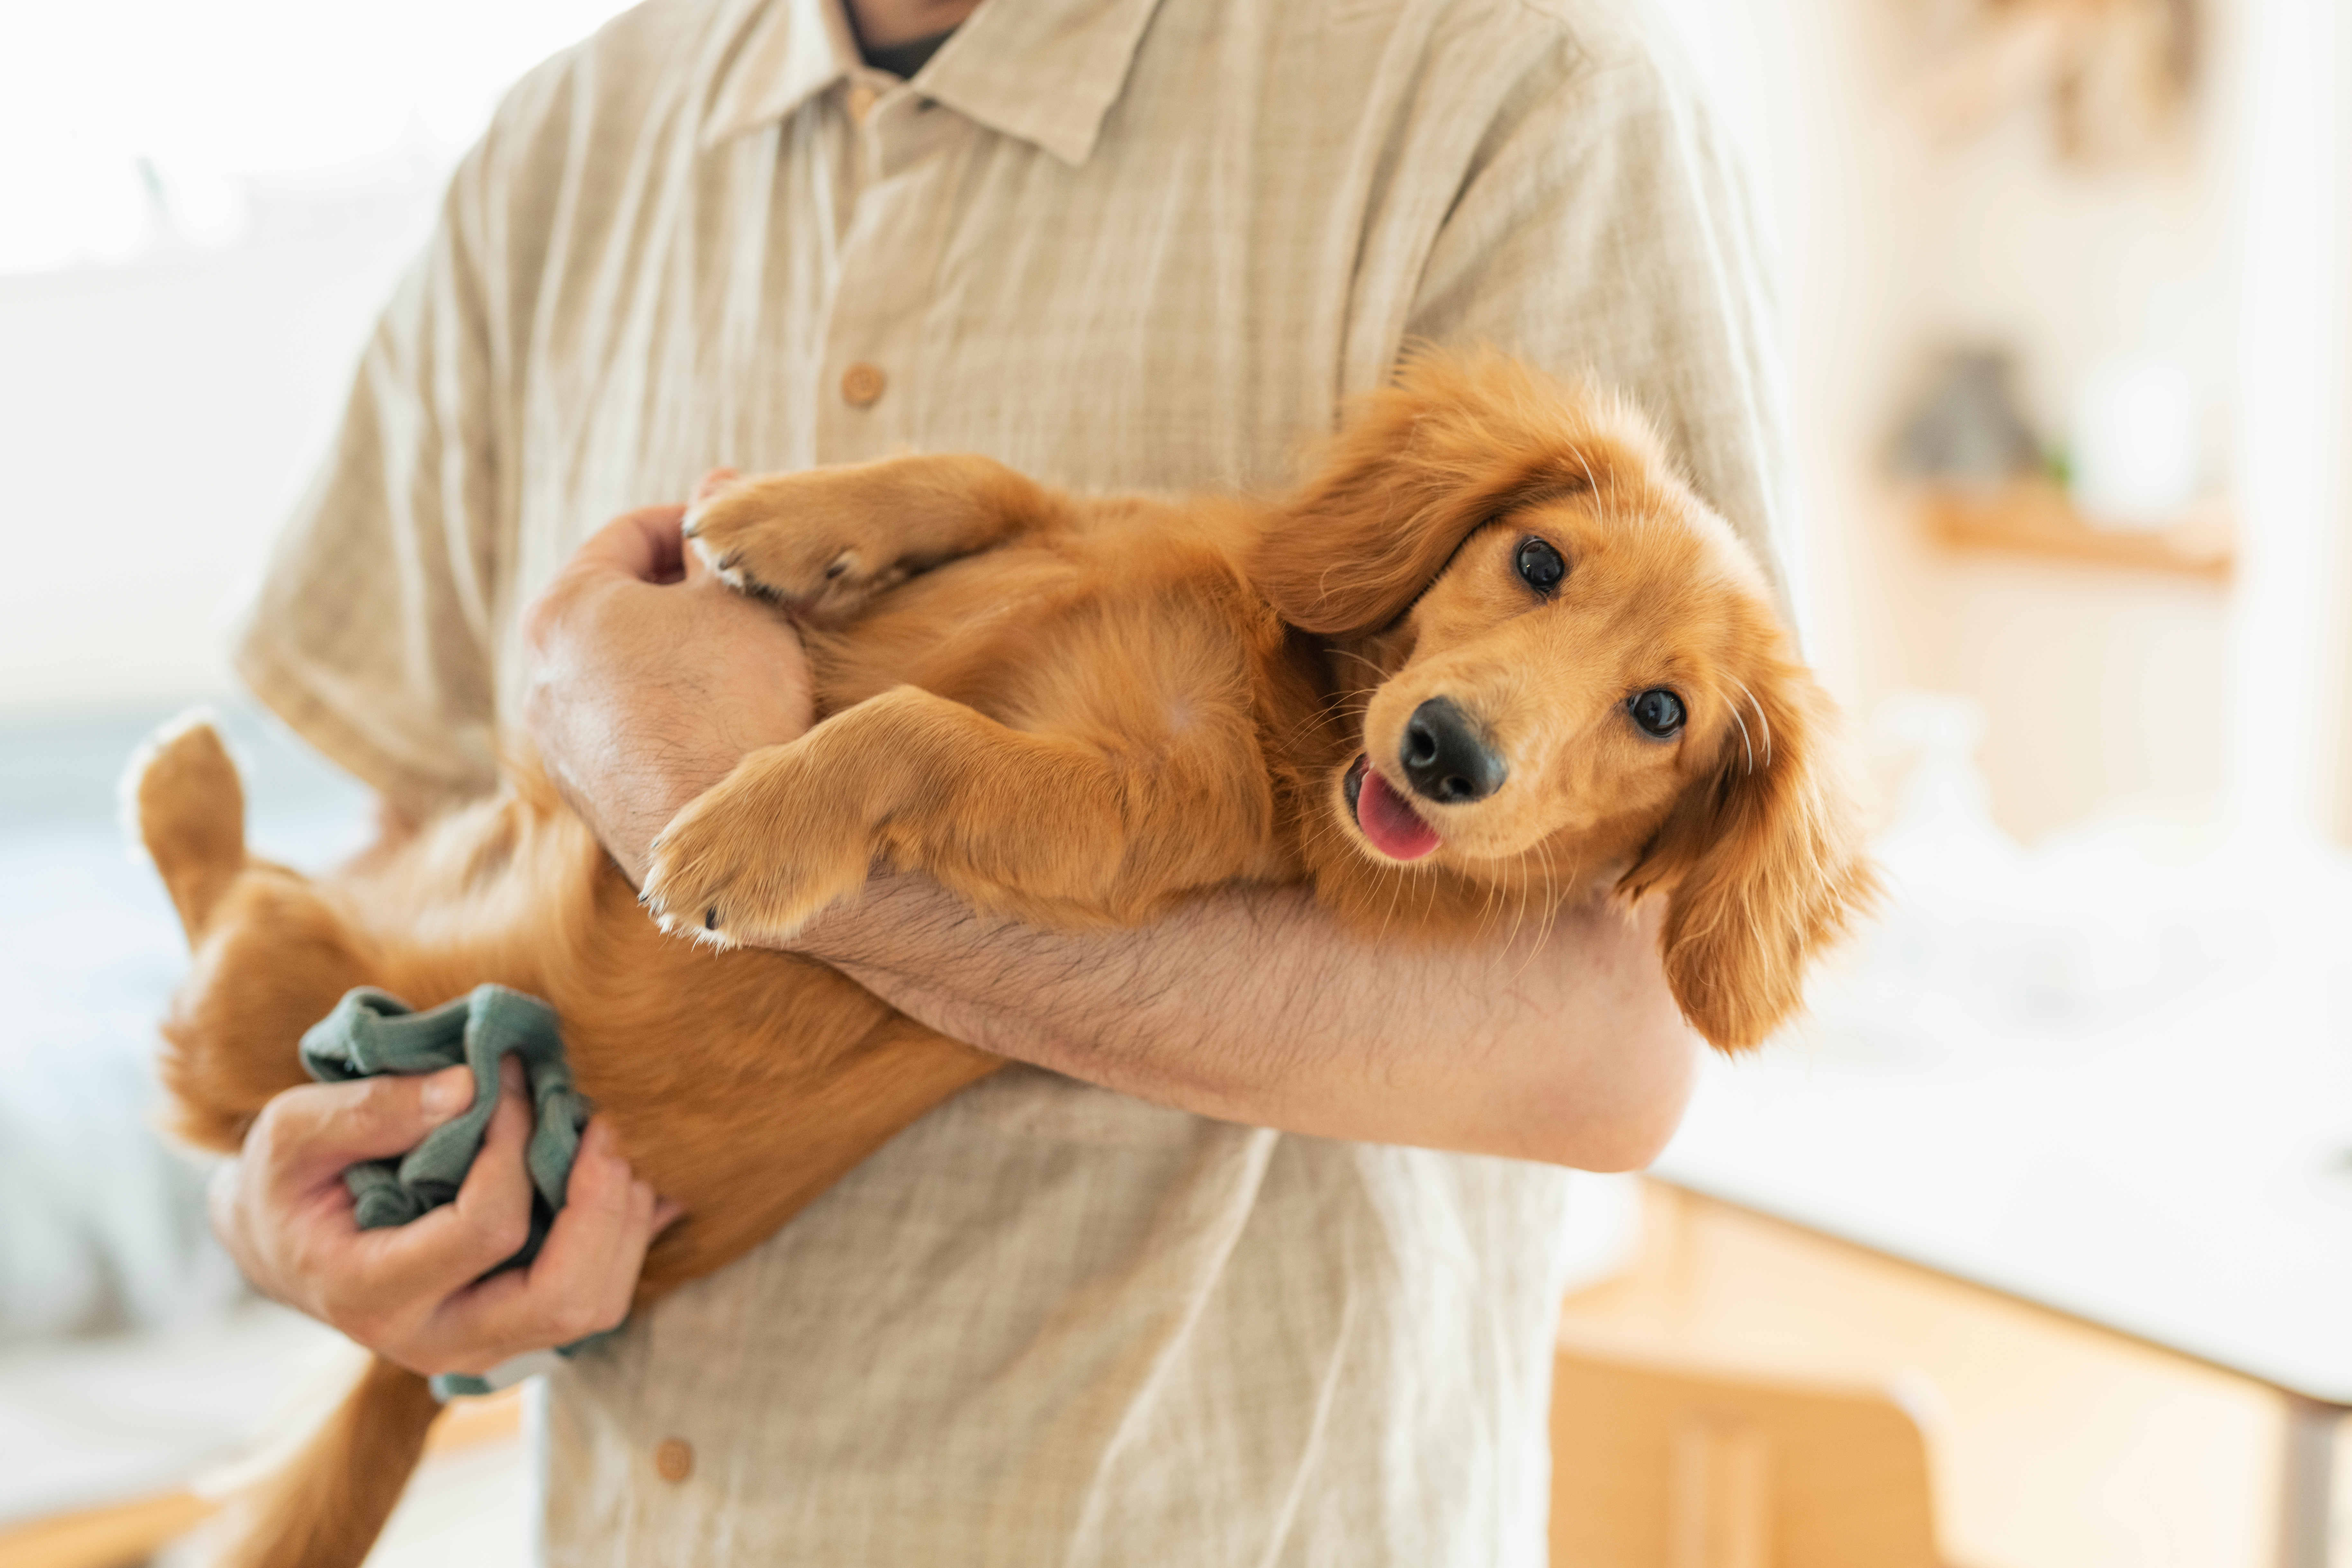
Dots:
(371, 1032)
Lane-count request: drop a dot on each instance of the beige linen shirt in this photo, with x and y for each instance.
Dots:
(1117, 244)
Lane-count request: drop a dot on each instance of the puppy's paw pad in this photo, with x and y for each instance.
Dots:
(788, 538)
(724, 883)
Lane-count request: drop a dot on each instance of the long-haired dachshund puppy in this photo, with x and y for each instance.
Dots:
(1491, 656)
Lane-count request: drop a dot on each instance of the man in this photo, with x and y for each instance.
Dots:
(1098, 1309)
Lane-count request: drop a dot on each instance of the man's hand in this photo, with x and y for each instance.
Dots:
(648, 679)
(409, 1292)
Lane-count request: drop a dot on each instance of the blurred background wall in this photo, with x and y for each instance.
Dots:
(2213, 249)
(202, 209)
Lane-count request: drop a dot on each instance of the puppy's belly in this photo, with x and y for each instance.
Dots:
(1048, 638)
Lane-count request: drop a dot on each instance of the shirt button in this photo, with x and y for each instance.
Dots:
(861, 102)
(673, 1459)
(861, 383)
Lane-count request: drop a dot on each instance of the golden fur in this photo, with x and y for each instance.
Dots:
(1076, 710)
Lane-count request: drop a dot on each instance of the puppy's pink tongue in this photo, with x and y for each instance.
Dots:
(1389, 823)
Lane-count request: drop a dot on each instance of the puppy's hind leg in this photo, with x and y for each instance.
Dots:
(825, 540)
(185, 804)
(272, 953)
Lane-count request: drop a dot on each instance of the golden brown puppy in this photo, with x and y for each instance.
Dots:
(1492, 651)
(1492, 656)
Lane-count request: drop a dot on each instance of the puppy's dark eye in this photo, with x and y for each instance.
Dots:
(1658, 711)
(1540, 565)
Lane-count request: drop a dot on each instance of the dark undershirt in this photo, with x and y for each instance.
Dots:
(904, 59)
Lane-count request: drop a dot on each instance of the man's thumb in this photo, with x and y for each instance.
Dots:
(374, 1117)
(442, 1095)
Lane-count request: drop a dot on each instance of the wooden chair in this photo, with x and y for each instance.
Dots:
(1673, 1466)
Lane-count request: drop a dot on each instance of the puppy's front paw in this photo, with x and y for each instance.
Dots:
(786, 539)
(750, 862)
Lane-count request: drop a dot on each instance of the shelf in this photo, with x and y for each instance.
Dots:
(2034, 519)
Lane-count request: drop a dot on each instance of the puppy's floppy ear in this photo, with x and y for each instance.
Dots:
(1417, 467)
(1762, 862)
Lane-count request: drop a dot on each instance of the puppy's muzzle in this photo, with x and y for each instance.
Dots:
(1444, 758)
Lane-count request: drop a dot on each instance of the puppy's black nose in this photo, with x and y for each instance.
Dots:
(1444, 758)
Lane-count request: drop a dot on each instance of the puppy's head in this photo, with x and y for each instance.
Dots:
(1573, 669)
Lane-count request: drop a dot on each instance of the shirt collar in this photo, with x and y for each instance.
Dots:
(783, 53)
(1046, 71)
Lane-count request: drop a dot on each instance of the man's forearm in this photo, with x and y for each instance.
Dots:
(1254, 1005)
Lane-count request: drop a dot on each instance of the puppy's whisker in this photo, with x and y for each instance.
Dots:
(1743, 734)
(1761, 721)
(1527, 891)
(1551, 897)
(1360, 658)
(1328, 713)
(1396, 890)
(1550, 902)
(1582, 463)
(1518, 915)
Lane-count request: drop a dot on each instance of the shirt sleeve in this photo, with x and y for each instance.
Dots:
(1604, 232)
(372, 634)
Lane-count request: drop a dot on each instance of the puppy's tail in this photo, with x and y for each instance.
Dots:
(185, 804)
(325, 1509)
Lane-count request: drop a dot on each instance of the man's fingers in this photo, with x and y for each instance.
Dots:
(417, 1292)
(627, 1258)
(485, 1224)
(311, 1133)
(583, 1278)
(645, 544)
(712, 481)
(595, 1261)
(642, 1224)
